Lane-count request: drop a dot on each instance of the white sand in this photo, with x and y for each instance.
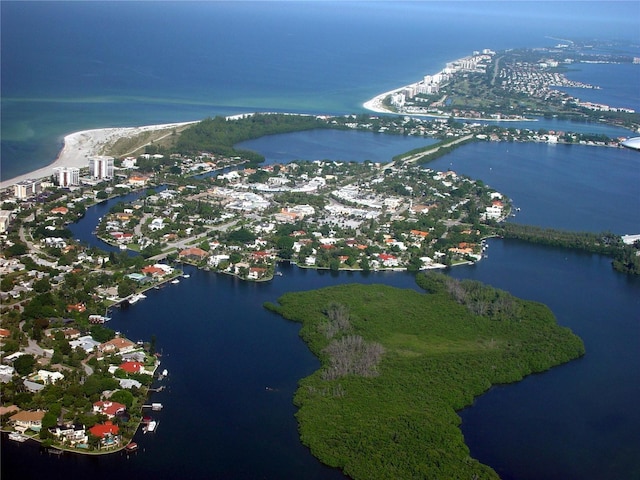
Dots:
(376, 105)
(79, 146)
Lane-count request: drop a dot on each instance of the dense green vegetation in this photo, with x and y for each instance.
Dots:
(397, 364)
(625, 257)
(218, 135)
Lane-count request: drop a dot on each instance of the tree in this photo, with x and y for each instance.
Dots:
(24, 364)
(285, 247)
(6, 283)
(125, 288)
(123, 396)
(42, 285)
(102, 195)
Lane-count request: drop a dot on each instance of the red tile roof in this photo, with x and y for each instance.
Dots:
(109, 408)
(131, 367)
(101, 429)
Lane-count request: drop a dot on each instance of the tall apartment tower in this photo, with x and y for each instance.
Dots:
(67, 176)
(101, 167)
(26, 188)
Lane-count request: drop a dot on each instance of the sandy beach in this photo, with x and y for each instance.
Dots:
(79, 146)
(376, 105)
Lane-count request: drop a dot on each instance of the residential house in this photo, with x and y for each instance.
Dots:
(77, 307)
(72, 434)
(194, 254)
(46, 377)
(110, 409)
(87, 343)
(153, 271)
(134, 367)
(60, 210)
(104, 430)
(128, 383)
(25, 420)
(388, 260)
(117, 345)
(256, 273)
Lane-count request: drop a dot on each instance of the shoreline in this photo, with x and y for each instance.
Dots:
(376, 105)
(79, 146)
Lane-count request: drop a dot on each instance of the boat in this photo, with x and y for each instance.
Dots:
(186, 275)
(134, 298)
(150, 427)
(18, 437)
(175, 280)
(131, 447)
(165, 372)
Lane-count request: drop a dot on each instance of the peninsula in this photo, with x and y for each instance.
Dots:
(512, 85)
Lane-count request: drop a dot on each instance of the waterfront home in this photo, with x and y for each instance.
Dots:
(110, 409)
(153, 271)
(128, 383)
(388, 260)
(194, 254)
(256, 273)
(26, 420)
(107, 432)
(73, 434)
(134, 367)
(116, 345)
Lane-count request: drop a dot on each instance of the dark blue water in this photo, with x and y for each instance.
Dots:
(69, 66)
(618, 84)
(579, 420)
(573, 187)
(339, 145)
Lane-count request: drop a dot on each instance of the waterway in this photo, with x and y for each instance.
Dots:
(223, 350)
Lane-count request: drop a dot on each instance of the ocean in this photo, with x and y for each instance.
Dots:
(70, 66)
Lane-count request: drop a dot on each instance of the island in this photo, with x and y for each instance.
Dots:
(397, 364)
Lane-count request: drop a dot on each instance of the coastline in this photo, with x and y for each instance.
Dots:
(376, 105)
(79, 146)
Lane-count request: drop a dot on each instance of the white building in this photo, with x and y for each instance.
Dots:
(101, 167)
(26, 188)
(67, 176)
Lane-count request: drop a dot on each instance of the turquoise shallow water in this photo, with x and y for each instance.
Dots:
(165, 62)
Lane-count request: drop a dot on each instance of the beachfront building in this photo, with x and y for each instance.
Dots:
(67, 176)
(26, 188)
(101, 167)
